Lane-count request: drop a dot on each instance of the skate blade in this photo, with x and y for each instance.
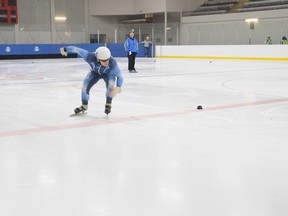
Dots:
(78, 114)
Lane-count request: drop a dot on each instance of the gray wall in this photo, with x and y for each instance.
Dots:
(125, 7)
(140, 6)
(232, 28)
(85, 17)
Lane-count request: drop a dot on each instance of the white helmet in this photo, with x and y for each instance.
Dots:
(102, 53)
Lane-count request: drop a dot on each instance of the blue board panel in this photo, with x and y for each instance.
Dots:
(117, 49)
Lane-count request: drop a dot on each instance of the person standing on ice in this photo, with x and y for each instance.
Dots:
(131, 47)
(284, 40)
(147, 43)
(103, 66)
(268, 40)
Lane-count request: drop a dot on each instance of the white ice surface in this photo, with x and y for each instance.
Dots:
(156, 154)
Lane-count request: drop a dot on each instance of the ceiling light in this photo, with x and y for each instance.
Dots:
(61, 18)
(251, 20)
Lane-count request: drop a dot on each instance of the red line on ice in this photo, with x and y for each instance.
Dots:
(135, 118)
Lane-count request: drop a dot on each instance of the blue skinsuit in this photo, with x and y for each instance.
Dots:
(97, 72)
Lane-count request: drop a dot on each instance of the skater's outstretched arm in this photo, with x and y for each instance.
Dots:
(73, 49)
(89, 57)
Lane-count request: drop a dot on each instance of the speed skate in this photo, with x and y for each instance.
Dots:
(78, 114)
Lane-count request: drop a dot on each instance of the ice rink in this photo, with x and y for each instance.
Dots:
(156, 154)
